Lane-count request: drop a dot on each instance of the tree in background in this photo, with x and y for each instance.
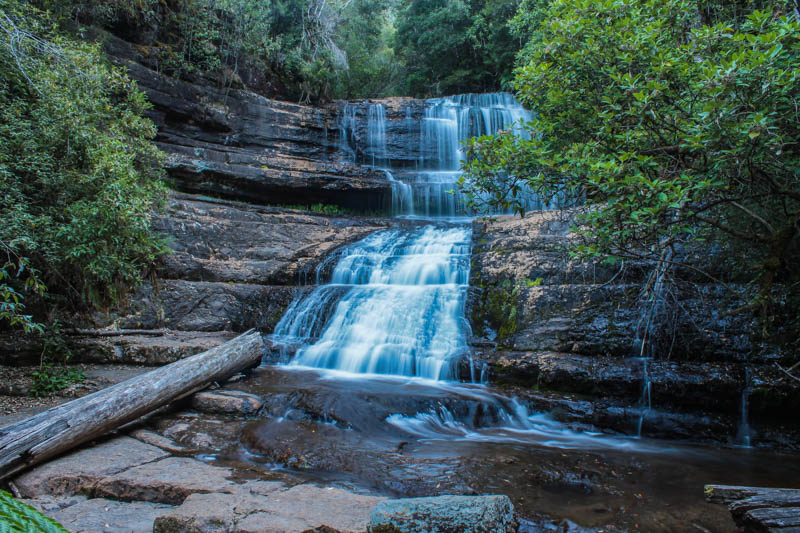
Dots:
(676, 120)
(456, 46)
(79, 175)
(366, 33)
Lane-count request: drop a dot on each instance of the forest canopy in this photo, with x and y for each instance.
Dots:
(316, 50)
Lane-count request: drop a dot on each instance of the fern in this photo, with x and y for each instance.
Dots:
(16, 517)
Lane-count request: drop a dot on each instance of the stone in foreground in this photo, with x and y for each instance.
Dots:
(169, 480)
(444, 514)
(270, 507)
(81, 469)
(99, 514)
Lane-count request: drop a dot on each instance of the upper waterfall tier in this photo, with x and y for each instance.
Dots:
(418, 144)
(395, 305)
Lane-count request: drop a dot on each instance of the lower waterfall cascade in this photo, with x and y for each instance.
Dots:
(402, 312)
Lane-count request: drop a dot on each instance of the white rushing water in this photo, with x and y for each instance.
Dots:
(399, 306)
(430, 188)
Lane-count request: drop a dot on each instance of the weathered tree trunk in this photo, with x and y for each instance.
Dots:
(728, 494)
(759, 509)
(56, 430)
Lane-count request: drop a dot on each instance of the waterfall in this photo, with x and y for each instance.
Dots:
(347, 124)
(393, 303)
(645, 401)
(447, 123)
(399, 307)
(428, 187)
(744, 433)
(402, 196)
(376, 134)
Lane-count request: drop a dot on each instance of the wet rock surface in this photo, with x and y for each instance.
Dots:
(322, 453)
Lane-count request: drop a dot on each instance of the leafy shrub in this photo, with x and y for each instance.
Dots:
(674, 120)
(16, 517)
(78, 171)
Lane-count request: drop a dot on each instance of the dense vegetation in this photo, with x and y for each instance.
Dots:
(79, 176)
(456, 46)
(675, 120)
(316, 50)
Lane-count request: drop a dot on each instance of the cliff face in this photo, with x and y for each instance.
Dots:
(547, 322)
(241, 145)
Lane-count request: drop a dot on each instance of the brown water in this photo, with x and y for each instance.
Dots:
(362, 432)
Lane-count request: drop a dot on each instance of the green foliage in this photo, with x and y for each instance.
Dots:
(365, 35)
(50, 379)
(54, 374)
(501, 308)
(673, 119)
(16, 271)
(452, 46)
(78, 171)
(16, 517)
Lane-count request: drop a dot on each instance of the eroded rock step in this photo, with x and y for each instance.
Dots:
(127, 485)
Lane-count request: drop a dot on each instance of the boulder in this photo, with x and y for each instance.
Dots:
(444, 514)
(227, 401)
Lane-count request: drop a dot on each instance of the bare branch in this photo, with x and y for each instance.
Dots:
(787, 372)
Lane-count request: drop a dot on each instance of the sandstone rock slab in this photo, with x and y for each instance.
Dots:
(78, 471)
(444, 514)
(91, 516)
(169, 480)
(270, 507)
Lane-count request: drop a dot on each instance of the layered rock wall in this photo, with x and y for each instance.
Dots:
(241, 145)
(551, 323)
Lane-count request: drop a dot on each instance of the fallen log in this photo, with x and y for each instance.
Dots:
(759, 509)
(772, 520)
(60, 428)
(728, 494)
(763, 501)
